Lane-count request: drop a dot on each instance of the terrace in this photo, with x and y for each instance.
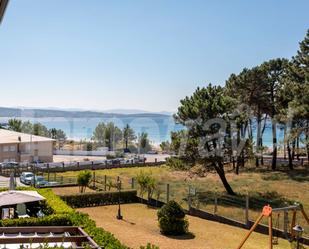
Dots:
(34, 237)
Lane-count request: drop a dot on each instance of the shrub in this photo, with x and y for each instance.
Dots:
(172, 219)
(146, 183)
(83, 180)
(50, 220)
(176, 163)
(53, 203)
(99, 198)
(149, 246)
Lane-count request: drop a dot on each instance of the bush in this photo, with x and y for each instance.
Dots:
(53, 204)
(172, 219)
(83, 180)
(50, 220)
(99, 198)
(146, 182)
(176, 163)
(149, 246)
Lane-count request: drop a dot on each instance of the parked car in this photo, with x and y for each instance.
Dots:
(39, 181)
(26, 177)
(51, 184)
(9, 165)
(152, 152)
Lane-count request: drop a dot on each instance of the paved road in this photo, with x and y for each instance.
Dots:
(5, 182)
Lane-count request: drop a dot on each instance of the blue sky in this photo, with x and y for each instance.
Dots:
(99, 54)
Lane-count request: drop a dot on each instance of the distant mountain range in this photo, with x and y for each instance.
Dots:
(75, 113)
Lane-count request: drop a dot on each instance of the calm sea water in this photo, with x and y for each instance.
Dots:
(158, 128)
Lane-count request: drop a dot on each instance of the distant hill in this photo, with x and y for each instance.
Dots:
(42, 113)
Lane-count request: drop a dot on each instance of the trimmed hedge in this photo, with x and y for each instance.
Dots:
(99, 198)
(50, 220)
(63, 215)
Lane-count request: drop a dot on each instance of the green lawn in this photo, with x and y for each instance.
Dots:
(140, 226)
(283, 185)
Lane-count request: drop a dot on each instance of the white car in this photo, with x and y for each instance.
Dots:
(26, 177)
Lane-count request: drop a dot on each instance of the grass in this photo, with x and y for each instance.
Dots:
(289, 185)
(140, 227)
(69, 190)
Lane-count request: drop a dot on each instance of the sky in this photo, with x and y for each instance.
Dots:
(131, 54)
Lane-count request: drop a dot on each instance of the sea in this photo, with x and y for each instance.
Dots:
(158, 128)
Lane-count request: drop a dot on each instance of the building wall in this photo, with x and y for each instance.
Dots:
(8, 152)
(29, 152)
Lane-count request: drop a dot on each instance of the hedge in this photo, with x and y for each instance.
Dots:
(63, 215)
(99, 198)
(50, 220)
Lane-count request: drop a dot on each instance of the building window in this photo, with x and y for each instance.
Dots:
(12, 148)
(5, 148)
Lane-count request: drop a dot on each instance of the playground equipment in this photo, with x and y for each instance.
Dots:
(267, 212)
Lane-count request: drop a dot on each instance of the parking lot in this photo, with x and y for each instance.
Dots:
(5, 181)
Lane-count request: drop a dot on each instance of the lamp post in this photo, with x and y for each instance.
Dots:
(119, 216)
(299, 231)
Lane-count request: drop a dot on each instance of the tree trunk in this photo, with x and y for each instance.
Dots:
(261, 140)
(290, 156)
(220, 171)
(297, 148)
(293, 149)
(237, 156)
(307, 146)
(258, 140)
(274, 133)
(284, 138)
(126, 144)
(250, 130)
(307, 142)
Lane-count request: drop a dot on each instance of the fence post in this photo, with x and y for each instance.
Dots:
(247, 211)
(47, 171)
(105, 180)
(118, 180)
(233, 158)
(285, 222)
(167, 192)
(216, 204)
(93, 177)
(189, 199)
(132, 183)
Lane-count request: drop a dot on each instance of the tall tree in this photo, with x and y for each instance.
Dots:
(107, 134)
(57, 134)
(128, 135)
(203, 114)
(112, 135)
(275, 71)
(99, 133)
(144, 144)
(40, 130)
(250, 88)
(27, 127)
(15, 124)
(301, 61)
